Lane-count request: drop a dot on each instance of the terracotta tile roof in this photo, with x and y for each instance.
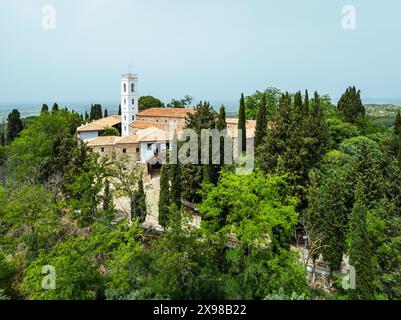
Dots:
(100, 124)
(249, 123)
(166, 112)
(154, 134)
(148, 124)
(132, 139)
(102, 141)
(111, 141)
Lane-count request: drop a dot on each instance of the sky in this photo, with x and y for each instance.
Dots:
(210, 49)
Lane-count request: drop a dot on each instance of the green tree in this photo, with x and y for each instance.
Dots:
(147, 102)
(14, 125)
(96, 112)
(252, 102)
(181, 103)
(192, 175)
(261, 122)
(334, 223)
(350, 105)
(55, 107)
(77, 278)
(140, 203)
(45, 108)
(360, 250)
(251, 221)
(128, 178)
(164, 197)
(242, 124)
(106, 113)
(32, 156)
(397, 124)
(111, 131)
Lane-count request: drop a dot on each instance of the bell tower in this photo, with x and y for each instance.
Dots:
(129, 101)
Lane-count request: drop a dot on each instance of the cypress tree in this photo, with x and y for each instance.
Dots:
(360, 249)
(261, 122)
(119, 109)
(14, 125)
(45, 108)
(164, 198)
(306, 103)
(106, 113)
(55, 107)
(86, 115)
(107, 197)
(242, 124)
(221, 125)
(298, 103)
(140, 203)
(175, 185)
(350, 105)
(313, 219)
(334, 223)
(397, 124)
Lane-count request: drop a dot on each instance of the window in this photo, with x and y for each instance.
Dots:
(124, 150)
(125, 101)
(137, 150)
(132, 87)
(101, 149)
(165, 121)
(168, 145)
(149, 146)
(133, 101)
(125, 87)
(133, 118)
(125, 118)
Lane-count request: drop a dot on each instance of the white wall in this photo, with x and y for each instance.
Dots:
(146, 154)
(88, 135)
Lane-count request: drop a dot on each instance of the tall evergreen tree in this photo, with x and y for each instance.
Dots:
(140, 203)
(107, 200)
(55, 107)
(313, 218)
(96, 112)
(221, 125)
(305, 106)
(350, 105)
(164, 198)
(397, 124)
(261, 122)
(14, 125)
(86, 115)
(334, 223)
(242, 124)
(106, 113)
(45, 108)
(360, 250)
(175, 185)
(192, 175)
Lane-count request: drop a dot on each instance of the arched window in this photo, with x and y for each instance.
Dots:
(125, 87)
(132, 87)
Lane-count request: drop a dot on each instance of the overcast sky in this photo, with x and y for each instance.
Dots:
(210, 49)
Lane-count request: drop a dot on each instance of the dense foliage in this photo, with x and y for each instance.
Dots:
(325, 188)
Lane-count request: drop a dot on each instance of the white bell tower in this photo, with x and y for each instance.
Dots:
(129, 101)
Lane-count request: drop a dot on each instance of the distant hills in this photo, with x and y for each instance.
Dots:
(382, 110)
